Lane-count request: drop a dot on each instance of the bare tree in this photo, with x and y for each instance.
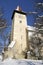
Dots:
(3, 27)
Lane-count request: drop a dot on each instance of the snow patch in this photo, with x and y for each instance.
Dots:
(10, 61)
(11, 44)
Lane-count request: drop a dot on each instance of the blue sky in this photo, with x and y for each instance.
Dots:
(9, 5)
(26, 5)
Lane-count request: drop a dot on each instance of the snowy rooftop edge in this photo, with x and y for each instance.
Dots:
(11, 44)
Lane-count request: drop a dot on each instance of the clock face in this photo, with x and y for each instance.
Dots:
(20, 16)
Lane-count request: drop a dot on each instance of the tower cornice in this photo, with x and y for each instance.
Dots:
(21, 12)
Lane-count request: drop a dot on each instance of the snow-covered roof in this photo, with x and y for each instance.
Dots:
(11, 44)
(31, 28)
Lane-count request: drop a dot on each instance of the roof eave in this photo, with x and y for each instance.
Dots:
(21, 12)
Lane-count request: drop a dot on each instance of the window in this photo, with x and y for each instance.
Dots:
(20, 21)
(21, 37)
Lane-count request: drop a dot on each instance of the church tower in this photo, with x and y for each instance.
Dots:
(19, 35)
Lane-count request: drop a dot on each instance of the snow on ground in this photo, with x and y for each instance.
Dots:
(0, 57)
(10, 61)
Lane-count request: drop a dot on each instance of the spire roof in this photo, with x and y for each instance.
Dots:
(18, 10)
